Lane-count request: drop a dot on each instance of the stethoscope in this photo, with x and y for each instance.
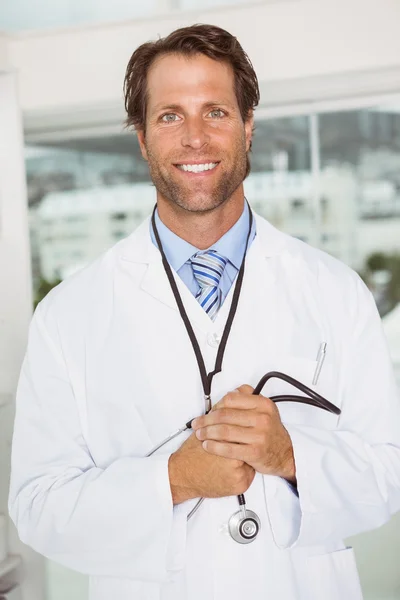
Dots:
(244, 525)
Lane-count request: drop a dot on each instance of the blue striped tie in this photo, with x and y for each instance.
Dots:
(208, 267)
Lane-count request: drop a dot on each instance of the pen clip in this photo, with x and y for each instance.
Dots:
(320, 362)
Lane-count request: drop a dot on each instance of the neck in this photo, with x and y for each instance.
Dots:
(202, 229)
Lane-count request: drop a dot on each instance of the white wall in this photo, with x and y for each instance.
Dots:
(15, 304)
(27, 15)
(284, 39)
(4, 40)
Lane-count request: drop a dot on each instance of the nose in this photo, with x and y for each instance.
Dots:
(195, 134)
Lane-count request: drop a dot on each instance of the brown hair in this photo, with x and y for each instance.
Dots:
(212, 41)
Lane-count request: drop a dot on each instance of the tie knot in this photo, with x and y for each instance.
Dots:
(208, 267)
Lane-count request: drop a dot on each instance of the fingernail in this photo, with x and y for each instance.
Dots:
(194, 423)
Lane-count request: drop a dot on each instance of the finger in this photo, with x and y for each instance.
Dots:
(236, 451)
(230, 433)
(246, 402)
(230, 416)
(252, 405)
(257, 404)
(245, 389)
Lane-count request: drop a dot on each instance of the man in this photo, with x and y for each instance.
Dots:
(112, 368)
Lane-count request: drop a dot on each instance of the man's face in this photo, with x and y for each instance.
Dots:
(195, 140)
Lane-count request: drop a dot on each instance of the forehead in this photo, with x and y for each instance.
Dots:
(174, 79)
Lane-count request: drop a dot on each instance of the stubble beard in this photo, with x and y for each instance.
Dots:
(198, 200)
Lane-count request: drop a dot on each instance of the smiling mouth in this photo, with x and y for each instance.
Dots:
(198, 168)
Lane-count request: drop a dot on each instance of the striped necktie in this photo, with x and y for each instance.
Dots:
(208, 267)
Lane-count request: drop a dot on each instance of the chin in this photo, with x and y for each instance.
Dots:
(198, 205)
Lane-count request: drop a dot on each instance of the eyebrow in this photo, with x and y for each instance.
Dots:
(178, 107)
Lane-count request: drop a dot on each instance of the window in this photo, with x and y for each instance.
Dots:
(119, 216)
(360, 174)
(76, 189)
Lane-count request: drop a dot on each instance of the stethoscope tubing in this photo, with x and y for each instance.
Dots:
(313, 399)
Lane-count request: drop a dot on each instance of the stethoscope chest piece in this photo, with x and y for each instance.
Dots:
(244, 529)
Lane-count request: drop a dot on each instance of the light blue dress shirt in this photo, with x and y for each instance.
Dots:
(231, 245)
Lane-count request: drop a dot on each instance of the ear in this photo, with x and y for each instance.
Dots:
(248, 126)
(142, 144)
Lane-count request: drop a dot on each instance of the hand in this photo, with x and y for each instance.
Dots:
(195, 473)
(248, 428)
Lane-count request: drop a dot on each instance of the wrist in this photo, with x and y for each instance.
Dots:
(289, 465)
(180, 489)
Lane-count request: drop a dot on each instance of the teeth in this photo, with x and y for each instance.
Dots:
(197, 168)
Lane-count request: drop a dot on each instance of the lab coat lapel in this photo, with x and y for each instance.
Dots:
(138, 249)
(155, 282)
(260, 275)
(261, 297)
(268, 243)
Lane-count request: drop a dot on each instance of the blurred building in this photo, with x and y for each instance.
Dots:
(73, 228)
(391, 325)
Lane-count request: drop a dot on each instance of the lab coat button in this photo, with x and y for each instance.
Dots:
(213, 340)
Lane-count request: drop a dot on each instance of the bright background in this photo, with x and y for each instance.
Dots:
(325, 168)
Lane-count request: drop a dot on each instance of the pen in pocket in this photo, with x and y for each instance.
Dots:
(320, 362)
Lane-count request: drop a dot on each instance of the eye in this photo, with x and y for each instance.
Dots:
(217, 113)
(167, 118)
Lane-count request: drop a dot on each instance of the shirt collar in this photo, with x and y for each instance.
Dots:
(177, 250)
(231, 245)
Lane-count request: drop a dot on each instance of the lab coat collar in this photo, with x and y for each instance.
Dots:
(139, 248)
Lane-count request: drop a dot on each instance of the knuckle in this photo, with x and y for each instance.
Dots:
(229, 451)
(228, 399)
(224, 431)
(252, 453)
(272, 408)
(262, 421)
(257, 452)
(261, 440)
(224, 412)
(246, 389)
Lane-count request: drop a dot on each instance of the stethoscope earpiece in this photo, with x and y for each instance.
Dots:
(244, 529)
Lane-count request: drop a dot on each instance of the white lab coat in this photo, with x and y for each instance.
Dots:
(110, 372)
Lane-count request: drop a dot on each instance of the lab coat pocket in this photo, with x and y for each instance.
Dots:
(334, 576)
(303, 369)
